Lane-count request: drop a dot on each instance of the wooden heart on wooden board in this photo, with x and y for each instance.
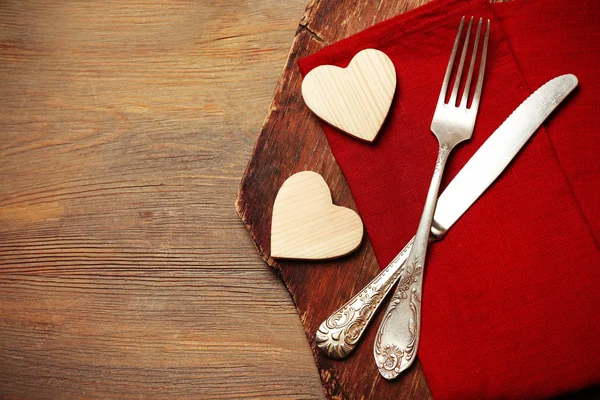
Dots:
(355, 99)
(307, 225)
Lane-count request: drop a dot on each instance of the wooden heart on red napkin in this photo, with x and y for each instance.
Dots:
(355, 99)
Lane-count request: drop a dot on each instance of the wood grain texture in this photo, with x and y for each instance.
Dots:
(290, 141)
(355, 99)
(125, 271)
(306, 225)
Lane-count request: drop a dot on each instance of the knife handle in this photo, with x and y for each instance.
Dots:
(338, 335)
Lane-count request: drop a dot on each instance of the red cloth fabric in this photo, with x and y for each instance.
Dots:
(511, 298)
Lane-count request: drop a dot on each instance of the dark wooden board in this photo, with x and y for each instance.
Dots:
(292, 140)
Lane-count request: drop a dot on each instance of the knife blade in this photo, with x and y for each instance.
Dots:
(339, 334)
(495, 154)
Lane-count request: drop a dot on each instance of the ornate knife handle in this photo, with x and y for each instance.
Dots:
(338, 335)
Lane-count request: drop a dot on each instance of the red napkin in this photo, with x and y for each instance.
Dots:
(511, 299)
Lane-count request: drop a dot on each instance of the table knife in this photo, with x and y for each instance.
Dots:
(339, 334)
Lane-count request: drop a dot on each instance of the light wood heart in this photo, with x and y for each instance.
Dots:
(355, 99)
(307, 225)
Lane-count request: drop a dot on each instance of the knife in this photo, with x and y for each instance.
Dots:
(396, 340)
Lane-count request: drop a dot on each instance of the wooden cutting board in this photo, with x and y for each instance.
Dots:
(292, 140)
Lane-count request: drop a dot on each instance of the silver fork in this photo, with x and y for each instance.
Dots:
(398, 336)
(339, 334)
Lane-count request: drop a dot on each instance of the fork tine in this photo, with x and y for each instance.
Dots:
(465, 96)
(459, 71)
(477, 95)
(451, 63)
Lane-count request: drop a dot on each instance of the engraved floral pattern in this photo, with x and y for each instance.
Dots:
(391, 357)
(412, 272)
(338, 335)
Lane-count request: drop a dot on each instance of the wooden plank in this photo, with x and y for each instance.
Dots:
(290, 141)
(125, 272)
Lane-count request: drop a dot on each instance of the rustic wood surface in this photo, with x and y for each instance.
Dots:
(125, 271)
(290, 141)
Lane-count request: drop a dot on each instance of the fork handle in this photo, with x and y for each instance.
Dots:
(397, 339)
(339, 334)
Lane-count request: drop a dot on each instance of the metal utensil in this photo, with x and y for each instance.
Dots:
(398, 336)
(339, 334)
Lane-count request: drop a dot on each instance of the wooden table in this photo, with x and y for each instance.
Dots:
(125, 271)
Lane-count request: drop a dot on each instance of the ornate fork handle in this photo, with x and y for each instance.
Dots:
(338, 335)
(398, 335)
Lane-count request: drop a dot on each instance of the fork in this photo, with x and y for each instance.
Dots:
(397, 339)
(340, 333)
